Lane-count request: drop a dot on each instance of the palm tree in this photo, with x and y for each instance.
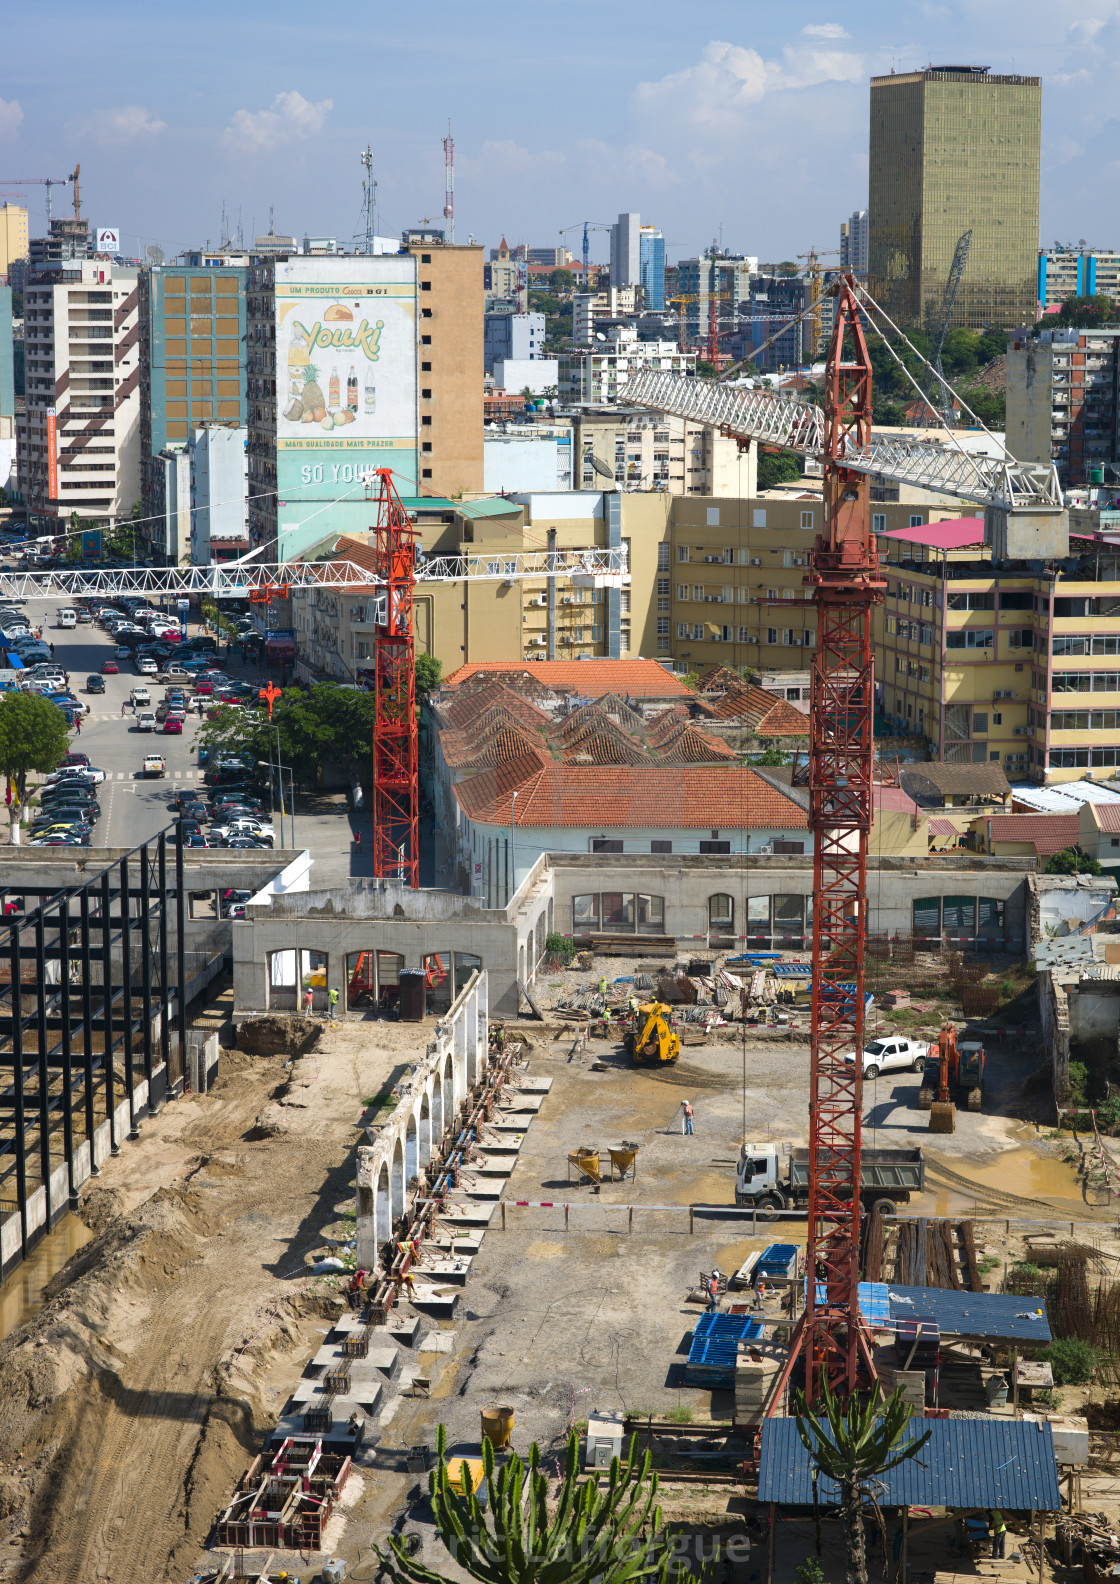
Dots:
(615, 1536)
(853, 1444)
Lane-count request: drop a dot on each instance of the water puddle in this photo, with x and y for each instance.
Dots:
(1029, 1176)
(22, 1294)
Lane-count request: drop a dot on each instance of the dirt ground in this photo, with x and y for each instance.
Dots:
(134, 1399)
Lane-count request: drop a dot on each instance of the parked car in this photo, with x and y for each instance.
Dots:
(95, 684)
(892, 1053)
(76, 758)
(232, 899)
(147, 666)
(245, 827)
(110, 668)
(198, 840)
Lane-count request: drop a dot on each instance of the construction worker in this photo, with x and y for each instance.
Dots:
(634, 1007)
(602, 984)
(999, 1533)
(308, 1001)
(686, 1106)
(354, 1289)
(332, 1002)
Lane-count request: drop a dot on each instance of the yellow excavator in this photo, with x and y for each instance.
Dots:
(651, 1040)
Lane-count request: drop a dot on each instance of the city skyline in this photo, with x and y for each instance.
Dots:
(754, 133)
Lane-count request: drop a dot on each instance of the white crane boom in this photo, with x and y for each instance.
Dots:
(774, 419)
(594, 567)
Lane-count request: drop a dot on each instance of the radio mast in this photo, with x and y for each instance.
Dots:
(449, 185)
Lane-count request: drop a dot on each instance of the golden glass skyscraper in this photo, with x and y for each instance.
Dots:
(953, 149)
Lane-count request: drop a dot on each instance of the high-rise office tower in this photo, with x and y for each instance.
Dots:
(853, 242)
(953, 149)
(652, 253)
(626, 253)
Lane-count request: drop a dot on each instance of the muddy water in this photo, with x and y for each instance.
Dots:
(1021, 1171)
(22, 1294)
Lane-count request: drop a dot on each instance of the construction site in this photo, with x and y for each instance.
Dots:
(608, 1183)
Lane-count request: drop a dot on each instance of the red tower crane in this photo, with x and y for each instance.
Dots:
(396, 812)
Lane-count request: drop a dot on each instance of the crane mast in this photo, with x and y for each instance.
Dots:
(396, 776)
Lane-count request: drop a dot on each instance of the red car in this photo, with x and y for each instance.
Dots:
(173, 728)
(77, 759)
(204, 686)
(110, 668)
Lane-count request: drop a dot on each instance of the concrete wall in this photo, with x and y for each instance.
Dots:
(382, 916)
(452, 1065)
(1053, 1013)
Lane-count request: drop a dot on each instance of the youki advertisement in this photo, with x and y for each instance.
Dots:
(345, 383)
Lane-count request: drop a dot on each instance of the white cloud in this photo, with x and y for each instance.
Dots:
(11, 115)
(825, 30)
(729, 78)
(120, 124)
(291, 116)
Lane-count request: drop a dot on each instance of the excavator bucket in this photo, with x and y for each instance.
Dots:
(943, 1117)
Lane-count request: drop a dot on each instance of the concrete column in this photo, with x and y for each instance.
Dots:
(366, 1228)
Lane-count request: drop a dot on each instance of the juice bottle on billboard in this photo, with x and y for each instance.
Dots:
(371, 392)
(332, 390)
(352, 390)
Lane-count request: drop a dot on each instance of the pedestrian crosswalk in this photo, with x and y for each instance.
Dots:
(172, 775)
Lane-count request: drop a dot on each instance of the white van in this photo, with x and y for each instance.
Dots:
(68, 617)
(141, 698)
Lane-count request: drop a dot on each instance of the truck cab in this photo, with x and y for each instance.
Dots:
(758, 1178)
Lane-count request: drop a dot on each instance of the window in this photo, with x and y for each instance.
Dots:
(1087, 643)
(425, 285)
(927, 918)
(663, 559)
(958, 917)
(585, 914)
(1016, 600)
(660, 846)
(682, 552)
(970, 638)
(663, 585)
(878, 522)
(789, 919)
(577, 635)
(606, 845)
(971, 601)
(771, 635)
(916, 519)
(683, 591)
(790, 636)
(721, 917)
(997, 719)
(425, 368)
(1020, 638)
(744, 635)
(1081, 682)
(697, 632)
(698, 591)
(1085, 720)
(425, 473)
(682, 629)
(806, 519)
(663, 627)
(596, 634)
(716, 847)
(979, 723)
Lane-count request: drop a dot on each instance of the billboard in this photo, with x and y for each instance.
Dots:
(346, 392)
(108, 240)
(52, 454)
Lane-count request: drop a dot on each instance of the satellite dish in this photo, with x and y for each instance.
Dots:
(602, 469)
(599, 336)
(155, 253)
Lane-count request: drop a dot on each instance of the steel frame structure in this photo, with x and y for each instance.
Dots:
(772, 419)
(396, 770)
(90, 980)
(279, 579)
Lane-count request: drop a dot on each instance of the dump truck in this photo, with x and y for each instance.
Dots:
(963, 1075)
(651, 1040)
(887, 1176)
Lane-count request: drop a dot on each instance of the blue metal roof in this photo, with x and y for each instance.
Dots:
(1004, 1463)
(1001, 1316)
(873, 1299)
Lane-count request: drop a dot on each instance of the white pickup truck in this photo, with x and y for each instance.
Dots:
(892, 1052)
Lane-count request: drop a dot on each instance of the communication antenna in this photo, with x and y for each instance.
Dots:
(449, 185)
(368, 223)
(225, 226)
(155, 253)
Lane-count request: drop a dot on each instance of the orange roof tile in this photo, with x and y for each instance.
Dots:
(694, 797)
(462, 749)
(1047, 833)
(470, 708)
(587, 678)
(1108, 817)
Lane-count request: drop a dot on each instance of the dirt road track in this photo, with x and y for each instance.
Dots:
(132, 1402)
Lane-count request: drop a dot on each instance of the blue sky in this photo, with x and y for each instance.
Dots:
(748, 122)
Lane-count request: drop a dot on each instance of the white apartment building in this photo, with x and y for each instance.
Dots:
(659, 451)
(589, 306)
(219, 493)
(854, 234)
(600, 373)
(169, 532)
(79, 440)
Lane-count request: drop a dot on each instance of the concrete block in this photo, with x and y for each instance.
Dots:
(511, 1121)
(1027, 533)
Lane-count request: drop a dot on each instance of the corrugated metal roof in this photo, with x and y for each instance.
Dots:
(1004, 1463)
(1001, 1316)
(495, 507)
(1066, 799)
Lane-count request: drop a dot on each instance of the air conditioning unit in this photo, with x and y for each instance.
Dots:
(540, 599)
(565, 599)
(756, 560)
(1022, 731)
(1002, 693)
(540, 638)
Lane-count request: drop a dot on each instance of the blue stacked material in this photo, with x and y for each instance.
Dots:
(715, 1343)
(792, 971)
(1003, 1463)
(1001, 1317)
(779, 1260)
(755, 957)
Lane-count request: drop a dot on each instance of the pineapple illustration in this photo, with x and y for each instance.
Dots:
(312, 395)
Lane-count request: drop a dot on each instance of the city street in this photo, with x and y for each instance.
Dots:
(132, 807)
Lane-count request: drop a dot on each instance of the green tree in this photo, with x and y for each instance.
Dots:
(777, 467)
(561, 281)
(1081, 312)
(992, 344)
(692, 680)
(429, 674)
(705, 369)
(1071, 861)
(33, 736)
(959, 356)
(854, 1444)
(616, 1536)
(990, 406)
(324, 724)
